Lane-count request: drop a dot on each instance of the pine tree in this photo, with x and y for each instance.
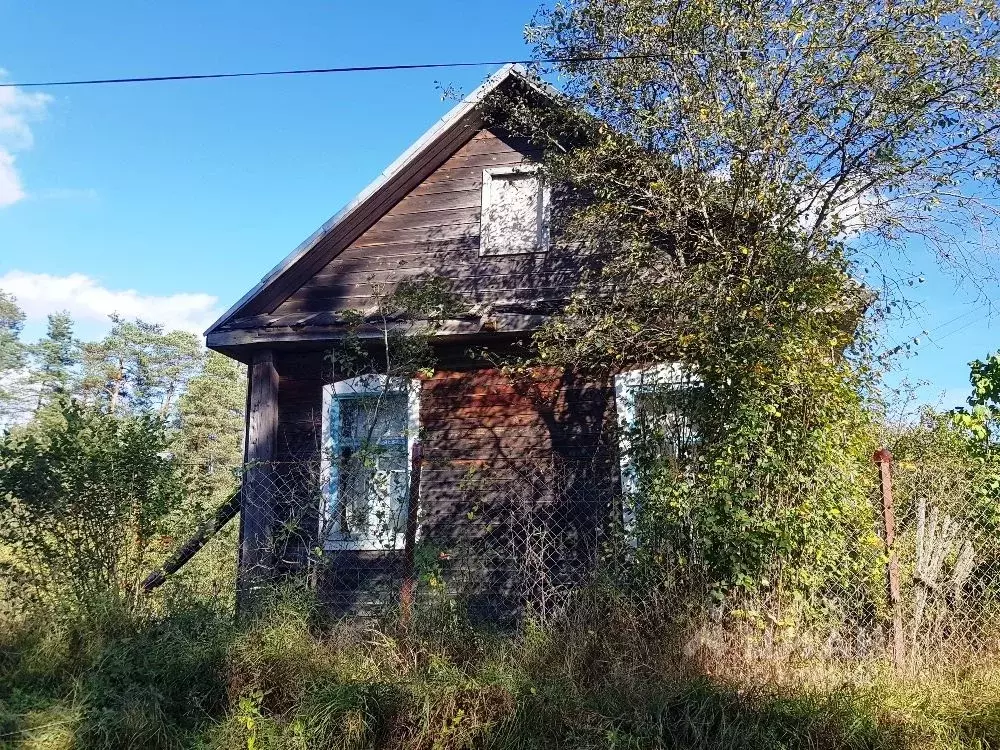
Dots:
(12, 359)
(54, 358)
(139, 368)
(211, 415)
(11, 323)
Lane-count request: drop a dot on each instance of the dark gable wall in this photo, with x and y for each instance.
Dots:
(434, 231)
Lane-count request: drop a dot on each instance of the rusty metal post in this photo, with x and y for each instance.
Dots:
(884, 460)
(410, 540)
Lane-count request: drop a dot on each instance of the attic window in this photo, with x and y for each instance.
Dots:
(515, 211)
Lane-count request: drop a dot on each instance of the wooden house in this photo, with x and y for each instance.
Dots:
(497, 487)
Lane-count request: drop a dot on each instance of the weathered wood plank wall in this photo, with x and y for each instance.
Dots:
(257, 518)
(434, 231)
(505, 462)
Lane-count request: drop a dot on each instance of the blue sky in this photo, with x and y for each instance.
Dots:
(170, 200)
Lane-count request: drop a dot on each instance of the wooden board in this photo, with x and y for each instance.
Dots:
(433, 232)
(502, 460)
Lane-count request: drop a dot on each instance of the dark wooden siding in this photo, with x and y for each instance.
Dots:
(434, 231)
(506, 463)
(297, 495)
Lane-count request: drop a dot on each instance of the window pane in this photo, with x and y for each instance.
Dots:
(667, 416)
(512, 216)
(372, 454)
(371, 420)
(373, 492)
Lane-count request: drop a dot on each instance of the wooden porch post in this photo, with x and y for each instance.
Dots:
(258, 512)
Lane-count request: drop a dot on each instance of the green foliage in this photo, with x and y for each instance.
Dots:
(11, 322)
(817, 117)
(606, 677)
(55, 357)
(393, 338)
(763, 322)
(981, 417)
(138, 367)
(765, 501)
(208, 439)
(112, 680)
(84, 500)
(725, 176)
(12, 356)
(985, 379)
(210, 418)
(140, 373)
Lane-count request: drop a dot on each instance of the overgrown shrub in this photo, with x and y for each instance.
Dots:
(85, 495)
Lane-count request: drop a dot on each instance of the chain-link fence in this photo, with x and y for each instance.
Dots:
(942, 566)
(516, 537)
(500, 538)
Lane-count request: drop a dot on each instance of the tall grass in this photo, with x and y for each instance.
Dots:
(606, 676)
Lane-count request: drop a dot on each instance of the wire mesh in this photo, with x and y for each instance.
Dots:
(516, 537)
(947, 549)
(502, 538)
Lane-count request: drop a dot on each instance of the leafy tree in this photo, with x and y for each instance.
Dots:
(736, 162)
(54, 359)
(83, 499)
(138, 367)
(817, 118)
(982, 416)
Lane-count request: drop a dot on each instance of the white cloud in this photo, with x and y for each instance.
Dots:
(854, 212)
(18, 109)
(10, 184)
(87, 300)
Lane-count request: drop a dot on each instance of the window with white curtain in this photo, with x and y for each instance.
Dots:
(370, 426)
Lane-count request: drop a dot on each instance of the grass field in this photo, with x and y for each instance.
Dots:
(599, 679)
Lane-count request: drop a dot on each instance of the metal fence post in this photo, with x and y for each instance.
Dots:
(410, 540)
(884, 460)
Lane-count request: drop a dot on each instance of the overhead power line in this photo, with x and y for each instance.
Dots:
(319, 71)
(928, 337)
(662, 55)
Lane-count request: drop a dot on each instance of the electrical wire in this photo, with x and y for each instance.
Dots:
(380, 68)
(320, 71)
(928, 338)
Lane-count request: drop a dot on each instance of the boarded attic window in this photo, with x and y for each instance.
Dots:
(515, 211)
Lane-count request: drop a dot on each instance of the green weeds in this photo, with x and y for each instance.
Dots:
(287, 679)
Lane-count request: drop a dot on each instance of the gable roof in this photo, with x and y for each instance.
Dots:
(340, 230)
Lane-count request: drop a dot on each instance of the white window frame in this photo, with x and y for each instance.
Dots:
(486, 243)
(365, 386)
(627, 384)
